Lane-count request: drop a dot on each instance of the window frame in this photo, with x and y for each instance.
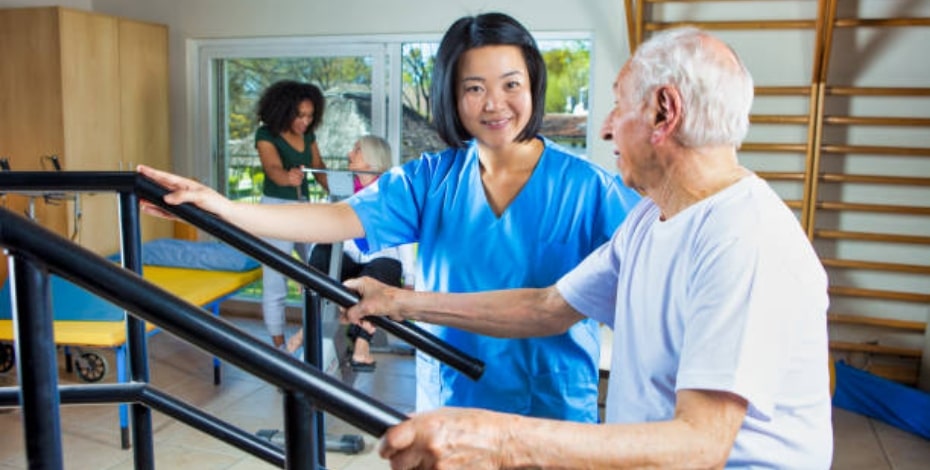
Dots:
(386, 53)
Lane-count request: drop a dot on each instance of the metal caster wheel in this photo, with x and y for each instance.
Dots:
(7, 357)
(91, 367)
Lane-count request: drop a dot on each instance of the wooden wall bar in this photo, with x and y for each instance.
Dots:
(875, 324)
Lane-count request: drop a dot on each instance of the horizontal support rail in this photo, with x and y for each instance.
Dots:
(135, 392)
(773, 147)
(781, 175)
(873, 179)
(192, 324)
(876, 349)
(145, 188)
(876, 91)
(878, 208)
(906, 325)
(779, 119)
(875, 266)
(733, 25)
(804, 91)
(878, 294)
(875, 121)
(872, 237)
(308, 276)
(876, 150)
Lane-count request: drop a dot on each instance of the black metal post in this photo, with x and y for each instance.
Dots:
(36, 362)
(313, 355)
(136, 340)
(300, 433)
(195, 325)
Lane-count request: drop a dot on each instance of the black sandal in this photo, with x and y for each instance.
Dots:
(358, 366)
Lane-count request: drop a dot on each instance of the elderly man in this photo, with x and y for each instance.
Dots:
(716, 298)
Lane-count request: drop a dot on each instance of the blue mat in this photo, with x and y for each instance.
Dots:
(887, 401)
(69, 302)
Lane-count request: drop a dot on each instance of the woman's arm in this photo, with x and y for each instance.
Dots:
(314, 223)
(274, 169)
(513, 313)
(317, 162)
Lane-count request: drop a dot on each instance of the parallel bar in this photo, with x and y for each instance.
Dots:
(879, 294)
(308, 276)
(301, 444)
(874, 179)
(193, 324)
(879, 208)
(36, 364)
(136, 338)
(313, 355)
(875, 266)
(913, 326)
(146, 394)
(212, 426)
(875, 349)
(872, 237)
(26, 182)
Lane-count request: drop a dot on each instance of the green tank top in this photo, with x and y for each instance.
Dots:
(290, 158)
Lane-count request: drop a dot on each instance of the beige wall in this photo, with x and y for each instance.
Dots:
(862, 57)
(198, 19)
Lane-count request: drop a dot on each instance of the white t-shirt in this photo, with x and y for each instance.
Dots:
(727, 295)
(402, 253)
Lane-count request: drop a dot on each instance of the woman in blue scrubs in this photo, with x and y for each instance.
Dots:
(502, 207)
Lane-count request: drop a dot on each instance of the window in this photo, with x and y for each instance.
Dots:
(568, 63)
(377, 85)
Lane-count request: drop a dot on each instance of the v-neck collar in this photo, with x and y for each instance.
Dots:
(475, 179)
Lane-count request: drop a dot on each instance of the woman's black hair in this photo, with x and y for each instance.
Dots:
(489, 29)
(280, 104)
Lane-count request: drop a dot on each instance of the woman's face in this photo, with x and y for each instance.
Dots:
(304, 117)
(357, 158)
(493, 93)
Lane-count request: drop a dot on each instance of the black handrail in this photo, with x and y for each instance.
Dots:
(253, 246)
(193, 324)
(308, 276)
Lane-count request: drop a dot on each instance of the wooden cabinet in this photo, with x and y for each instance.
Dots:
(93, 90)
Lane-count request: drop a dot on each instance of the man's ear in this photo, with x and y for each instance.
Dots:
(668, 113)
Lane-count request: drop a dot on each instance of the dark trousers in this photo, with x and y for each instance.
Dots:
(386, 270)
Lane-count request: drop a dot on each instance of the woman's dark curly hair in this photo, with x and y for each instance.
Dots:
(470, 32)
(280, 103)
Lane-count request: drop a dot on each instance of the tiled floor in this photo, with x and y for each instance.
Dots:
(91, 437)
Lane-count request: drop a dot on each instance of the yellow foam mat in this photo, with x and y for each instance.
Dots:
(197, 287)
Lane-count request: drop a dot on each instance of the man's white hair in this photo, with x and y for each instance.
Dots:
(717, 91)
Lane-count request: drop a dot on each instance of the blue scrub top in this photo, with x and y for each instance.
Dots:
(568, 207)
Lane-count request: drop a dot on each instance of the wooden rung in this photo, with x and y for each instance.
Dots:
(773, 147)
(844, 291)
(901, 373)
(872, 237)
(871, 179)
(877, 150)
(781, 175)
(880, 208)
(731, 25)
(845, 319)
(873, 121)
(880, 22)
(783, 91)
(876, 91)
(778, 119)
(794, 204)
(875, 349)
(875, 266)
